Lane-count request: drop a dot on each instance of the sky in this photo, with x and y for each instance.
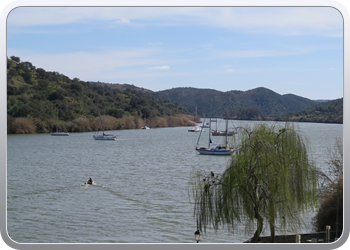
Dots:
(296, 50)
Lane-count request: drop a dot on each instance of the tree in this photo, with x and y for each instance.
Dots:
(15, 59)
(270, 178)
(331, 190)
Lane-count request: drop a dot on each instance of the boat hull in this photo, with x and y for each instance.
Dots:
(104, 138)
(222, 133)
(196, 129)
(60, 134)
(214, 151)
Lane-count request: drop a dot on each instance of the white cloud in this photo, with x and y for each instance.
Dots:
(231, 70)
(160, 67)
(281, 20)
(123, 20)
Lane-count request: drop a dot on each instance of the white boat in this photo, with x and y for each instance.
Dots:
(196, 129)
(217, 150)
(59, 133)
(145, 127)
(103, 136)
(205, 126)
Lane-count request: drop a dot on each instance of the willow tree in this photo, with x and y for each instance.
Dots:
(270, 179)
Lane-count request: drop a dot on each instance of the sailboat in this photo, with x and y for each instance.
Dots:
(222, 133)
(196, 128)
(57, 133)
(105, 137)
(145, 127)
(218, 150)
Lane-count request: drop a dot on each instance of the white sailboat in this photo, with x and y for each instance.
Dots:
(59, 133)
(196, 128)
(217, 150)
(103, 136)
(145, 127)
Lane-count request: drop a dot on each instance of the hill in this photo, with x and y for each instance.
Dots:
(327, 112)
(124, 86)
(40, 95)
(259, 102)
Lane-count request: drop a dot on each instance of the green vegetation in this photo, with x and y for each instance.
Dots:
(327, 112)
(270, 179)
(262, 101)
(255, 104)
(36, 96)
(331, 192)
(29, 125)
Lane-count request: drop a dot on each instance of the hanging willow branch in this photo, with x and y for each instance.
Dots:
(270, 179)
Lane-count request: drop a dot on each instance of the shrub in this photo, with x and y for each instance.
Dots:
(329, 202)
(23, 125)
(331, 190)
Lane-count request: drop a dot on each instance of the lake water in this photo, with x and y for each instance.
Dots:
(142, 185)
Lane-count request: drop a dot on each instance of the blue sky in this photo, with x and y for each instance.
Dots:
(296, 50)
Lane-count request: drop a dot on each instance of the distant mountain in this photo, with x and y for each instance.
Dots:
(321, 100)
(328, 112)
(240, 104)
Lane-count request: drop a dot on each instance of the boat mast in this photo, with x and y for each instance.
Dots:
(226, 131)
(57, 122)
(200, 133)
(103, 124)
(209, 132)
(195, 117)
(226, 128)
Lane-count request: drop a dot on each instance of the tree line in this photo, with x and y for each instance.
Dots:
(40, 95)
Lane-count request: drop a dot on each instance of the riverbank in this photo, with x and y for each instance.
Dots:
(338, 120)
(315, 237)
(30, 125)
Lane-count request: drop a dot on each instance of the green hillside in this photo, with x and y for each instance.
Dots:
(327, 112)
(38, 93)
(259, 102)
(35, 97)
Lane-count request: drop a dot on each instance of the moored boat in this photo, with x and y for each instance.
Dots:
(59, 133)
(217, 150)
(196, 129)
(222, 133)
(103, 136)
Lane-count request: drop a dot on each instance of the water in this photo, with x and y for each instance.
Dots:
(142, 185)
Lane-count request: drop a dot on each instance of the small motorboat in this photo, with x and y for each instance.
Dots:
(89, 181)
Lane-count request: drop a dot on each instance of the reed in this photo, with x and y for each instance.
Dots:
(22, 125)
(29, 125)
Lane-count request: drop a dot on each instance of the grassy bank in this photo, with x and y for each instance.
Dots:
(30, 125)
